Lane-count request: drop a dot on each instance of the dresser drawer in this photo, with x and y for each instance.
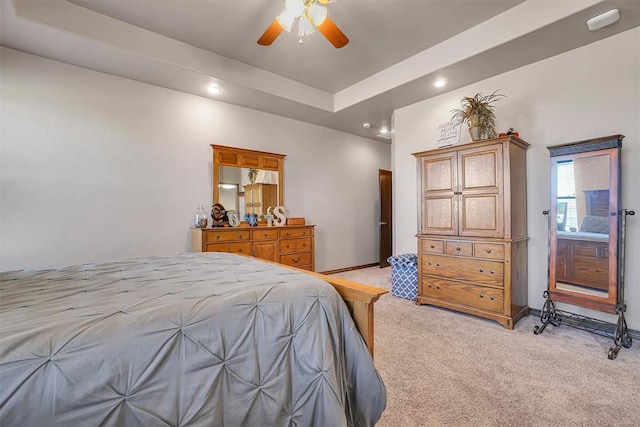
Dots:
(295, 232)
(296, 260)
(264, 234)
(226, 236)
(473, 270)
(240, 248)
(468, 294)
(216, 247)
(432, 246)
(452, 247)
(295, 245)
(489, 250)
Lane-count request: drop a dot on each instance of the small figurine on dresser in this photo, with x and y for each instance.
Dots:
(217, 214)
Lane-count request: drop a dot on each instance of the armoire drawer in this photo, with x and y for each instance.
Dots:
(432, 246)
(473, 270)
(488, 250)
(454, 247)
(484, 298)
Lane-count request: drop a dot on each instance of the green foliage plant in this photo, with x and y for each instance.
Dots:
(478, 111)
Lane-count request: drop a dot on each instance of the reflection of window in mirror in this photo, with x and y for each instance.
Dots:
(566, 196)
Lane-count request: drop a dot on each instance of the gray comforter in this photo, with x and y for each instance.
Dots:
(192, 340)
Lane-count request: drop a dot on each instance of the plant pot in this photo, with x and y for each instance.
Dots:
(475, 132)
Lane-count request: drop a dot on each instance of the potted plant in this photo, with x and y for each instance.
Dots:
(478, 112)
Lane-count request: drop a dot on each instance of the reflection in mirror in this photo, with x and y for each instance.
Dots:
(236, 191)
(247, 181)
(582, 214)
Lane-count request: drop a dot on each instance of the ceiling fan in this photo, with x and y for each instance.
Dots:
(309, 14)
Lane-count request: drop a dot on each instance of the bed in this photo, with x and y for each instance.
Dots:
(190, 340)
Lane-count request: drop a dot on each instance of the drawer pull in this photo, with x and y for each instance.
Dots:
(481, 295)
(287, 234)
(457, 249)
(437, 265)
(492, 298)
(240, 250)
(218, 237)
(296, 260)
(481, 270)
(488, 251)
(491, 271)
(304, 245)
(432, 246)
(437, 287)
(429, 263)
(264, 235)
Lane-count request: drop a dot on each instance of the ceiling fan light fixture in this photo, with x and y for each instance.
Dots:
(317, 14)
(294, 7)
(285, 19)
(305, 27)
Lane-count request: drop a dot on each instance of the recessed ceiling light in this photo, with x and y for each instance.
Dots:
(213, 89)
(366, 125)
(440, 82)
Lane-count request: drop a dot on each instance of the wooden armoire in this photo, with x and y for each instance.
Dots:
(259, 197)
(472, 229)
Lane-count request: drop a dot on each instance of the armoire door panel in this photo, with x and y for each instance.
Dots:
(481, 168)
(481, 216)
(440, 216)
(440, 173)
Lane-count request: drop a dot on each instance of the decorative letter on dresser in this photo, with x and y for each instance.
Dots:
(472, 238)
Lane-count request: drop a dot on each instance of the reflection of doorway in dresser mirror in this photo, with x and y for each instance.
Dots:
(586, 237)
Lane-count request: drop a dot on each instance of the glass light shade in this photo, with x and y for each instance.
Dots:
(294, 7)
(305, 27)
(285, 19)
(318, 14)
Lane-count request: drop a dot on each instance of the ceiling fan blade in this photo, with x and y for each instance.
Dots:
(333, 33)
(271, 33)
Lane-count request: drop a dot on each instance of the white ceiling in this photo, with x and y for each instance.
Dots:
(397, 48)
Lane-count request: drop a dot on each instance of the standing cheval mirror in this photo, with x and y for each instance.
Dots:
(586, 237)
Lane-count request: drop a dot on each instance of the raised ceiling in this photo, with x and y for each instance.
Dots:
(397, 48)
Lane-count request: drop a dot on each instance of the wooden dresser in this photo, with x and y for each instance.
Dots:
(472, 239)
(289, 245)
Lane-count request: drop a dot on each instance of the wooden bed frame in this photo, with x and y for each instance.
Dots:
(358, 297)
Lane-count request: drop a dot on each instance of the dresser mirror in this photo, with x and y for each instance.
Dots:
(583, 260)
(232, 186)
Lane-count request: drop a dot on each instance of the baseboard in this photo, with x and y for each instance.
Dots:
(634, 334)
(356, 267)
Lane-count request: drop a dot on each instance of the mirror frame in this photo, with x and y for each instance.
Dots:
(243, 158)
(606, 146)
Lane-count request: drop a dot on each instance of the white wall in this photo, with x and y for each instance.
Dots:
(586, 93)
(95, 167)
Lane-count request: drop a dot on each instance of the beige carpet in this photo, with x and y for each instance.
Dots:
(445, 368)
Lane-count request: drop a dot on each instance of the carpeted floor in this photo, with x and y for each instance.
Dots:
(445, 368)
